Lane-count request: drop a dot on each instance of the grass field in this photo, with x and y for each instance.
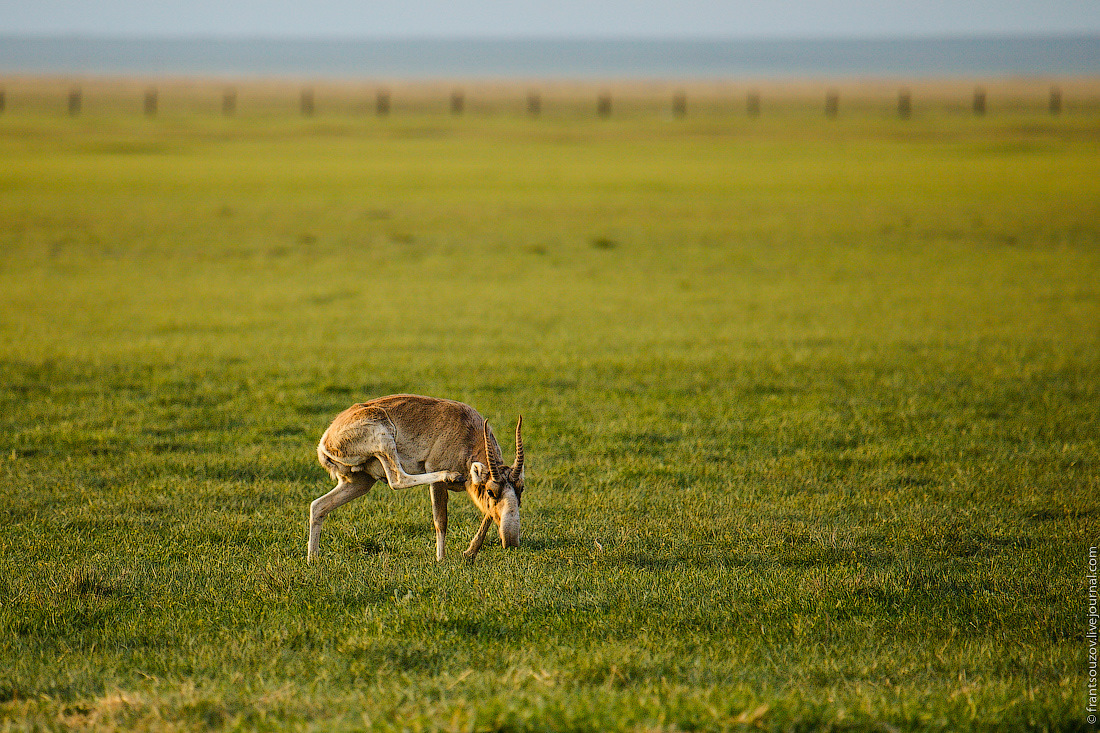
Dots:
(811, 411)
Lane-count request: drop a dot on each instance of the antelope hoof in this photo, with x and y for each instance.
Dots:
(455, 477)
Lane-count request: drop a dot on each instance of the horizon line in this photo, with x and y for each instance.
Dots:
(550, 37)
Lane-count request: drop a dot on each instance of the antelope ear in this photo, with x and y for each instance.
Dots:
(479, 473)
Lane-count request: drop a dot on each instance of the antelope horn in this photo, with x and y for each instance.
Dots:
(494, 471)
(517, 467)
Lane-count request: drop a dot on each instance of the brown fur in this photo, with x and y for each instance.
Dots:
(410, 440)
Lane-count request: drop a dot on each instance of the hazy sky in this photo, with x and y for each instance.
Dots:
(632, 18)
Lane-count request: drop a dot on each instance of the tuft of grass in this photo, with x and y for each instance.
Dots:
(817, 450)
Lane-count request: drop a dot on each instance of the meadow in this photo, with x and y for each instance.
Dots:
(811, 413)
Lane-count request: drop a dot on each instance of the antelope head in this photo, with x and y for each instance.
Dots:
(503, 485)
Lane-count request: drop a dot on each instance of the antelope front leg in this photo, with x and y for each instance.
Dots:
(479, 539)
(439, 518)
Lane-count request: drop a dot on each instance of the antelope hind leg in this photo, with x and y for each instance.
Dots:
(396, 476)
(344, 492)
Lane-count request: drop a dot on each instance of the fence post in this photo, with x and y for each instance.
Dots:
(307, 102)
(382, 103)
(679, 104)
(603, 104)
(905, 104)
(458, 102)
(229, 102)
(3, 100)
(979, 101)
(1055, 100)
(752, 104)
(151, 102)
(75, 100)
(832, 103)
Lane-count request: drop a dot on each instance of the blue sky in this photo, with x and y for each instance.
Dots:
(570, 18)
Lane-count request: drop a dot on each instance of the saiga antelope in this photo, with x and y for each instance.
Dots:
(443, 443)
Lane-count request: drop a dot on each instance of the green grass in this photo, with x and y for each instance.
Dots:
(811, 412)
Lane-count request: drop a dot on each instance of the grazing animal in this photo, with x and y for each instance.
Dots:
(409, 440)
